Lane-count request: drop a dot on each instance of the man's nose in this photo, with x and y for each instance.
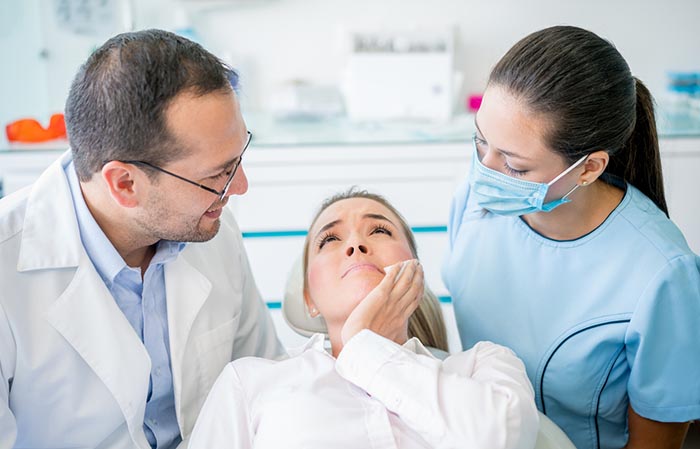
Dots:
(239, 184)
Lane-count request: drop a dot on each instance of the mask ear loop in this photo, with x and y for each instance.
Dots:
(566, 172)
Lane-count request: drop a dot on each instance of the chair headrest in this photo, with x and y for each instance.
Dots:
(550, 436)
(297, 316)
(293, 307)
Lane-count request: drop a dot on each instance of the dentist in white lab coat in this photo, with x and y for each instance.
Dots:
(113, 327)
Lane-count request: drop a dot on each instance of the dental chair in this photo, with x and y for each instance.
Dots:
(549, 435)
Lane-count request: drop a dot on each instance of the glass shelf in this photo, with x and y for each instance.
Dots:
(269, 131)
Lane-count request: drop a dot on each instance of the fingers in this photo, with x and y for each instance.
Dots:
(405, 279)
(407, 292)
(414, 295)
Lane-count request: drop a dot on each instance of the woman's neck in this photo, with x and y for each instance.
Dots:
(588, 209)
(335, 339)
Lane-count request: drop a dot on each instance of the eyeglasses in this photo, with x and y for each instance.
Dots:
(221, 193)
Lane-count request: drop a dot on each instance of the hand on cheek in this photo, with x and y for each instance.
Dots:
(387, 308)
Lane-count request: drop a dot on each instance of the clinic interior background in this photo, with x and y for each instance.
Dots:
(278, 44)
(273, 42)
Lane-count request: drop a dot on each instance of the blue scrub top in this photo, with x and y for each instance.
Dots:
(603, 321)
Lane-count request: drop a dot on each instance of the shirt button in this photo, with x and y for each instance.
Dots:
(158, 371)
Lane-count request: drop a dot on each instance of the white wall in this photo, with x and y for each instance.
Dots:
(39, 57)
(272, 41)
(23, 89)
(285, 39)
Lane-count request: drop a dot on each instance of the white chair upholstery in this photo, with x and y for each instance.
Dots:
(293, 306)
(550, 436)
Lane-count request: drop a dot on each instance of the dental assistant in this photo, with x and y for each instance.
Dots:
(561, 247)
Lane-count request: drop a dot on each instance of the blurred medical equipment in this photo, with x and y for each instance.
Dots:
(93, 17)
(31, 131)
(400, 75)
(684, 92)
(304, 100)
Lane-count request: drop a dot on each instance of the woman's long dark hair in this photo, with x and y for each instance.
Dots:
(582, 84)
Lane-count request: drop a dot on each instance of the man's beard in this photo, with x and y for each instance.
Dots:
(159, 224)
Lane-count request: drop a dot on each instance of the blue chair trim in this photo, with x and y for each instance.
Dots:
(272, 305)
(302, 233)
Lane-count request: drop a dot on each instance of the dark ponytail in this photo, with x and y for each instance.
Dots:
(639, 162)
(584, 87)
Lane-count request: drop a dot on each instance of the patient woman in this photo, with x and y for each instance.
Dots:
(378, 387)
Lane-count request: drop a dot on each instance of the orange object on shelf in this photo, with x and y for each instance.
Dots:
(30, 130)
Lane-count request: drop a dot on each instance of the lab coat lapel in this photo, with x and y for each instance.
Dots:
(50, 201)
(186, 291)
(87, 316)
(85, 313)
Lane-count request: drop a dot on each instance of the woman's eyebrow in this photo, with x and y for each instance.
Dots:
(327, 226)
(378, 217)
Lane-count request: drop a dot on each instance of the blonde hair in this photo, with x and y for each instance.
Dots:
(427, 323)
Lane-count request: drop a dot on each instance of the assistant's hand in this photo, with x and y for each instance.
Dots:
(387, 308)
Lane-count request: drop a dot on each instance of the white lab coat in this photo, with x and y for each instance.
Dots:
(73, 373)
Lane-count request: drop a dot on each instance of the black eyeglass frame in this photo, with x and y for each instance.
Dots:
(221, 194)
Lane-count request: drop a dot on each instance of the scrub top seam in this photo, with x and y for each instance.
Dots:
(662, 253)
(665, 267)
(560, 344)
(620, 351)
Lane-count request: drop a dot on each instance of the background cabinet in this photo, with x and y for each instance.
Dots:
(680, 159)
(288, 183)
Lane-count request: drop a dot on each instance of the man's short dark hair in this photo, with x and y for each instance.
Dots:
(116, 105)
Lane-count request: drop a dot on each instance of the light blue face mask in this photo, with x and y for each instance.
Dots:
(505, 195)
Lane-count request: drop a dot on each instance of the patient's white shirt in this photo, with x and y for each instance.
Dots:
(377, 395)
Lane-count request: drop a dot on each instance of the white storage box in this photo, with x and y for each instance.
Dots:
(400, 76)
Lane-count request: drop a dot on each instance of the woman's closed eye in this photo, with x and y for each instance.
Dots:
(381, 229)
(480, 145)
(326, 238)
(512, 171)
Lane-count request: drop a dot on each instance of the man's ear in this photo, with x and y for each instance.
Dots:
(124, 182)
(594, 166)
(310, 306)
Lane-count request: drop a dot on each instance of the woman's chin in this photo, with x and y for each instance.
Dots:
(362, 287)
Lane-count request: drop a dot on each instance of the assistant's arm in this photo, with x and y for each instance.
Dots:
(662, 384)
(477, 398)
(649, 434)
